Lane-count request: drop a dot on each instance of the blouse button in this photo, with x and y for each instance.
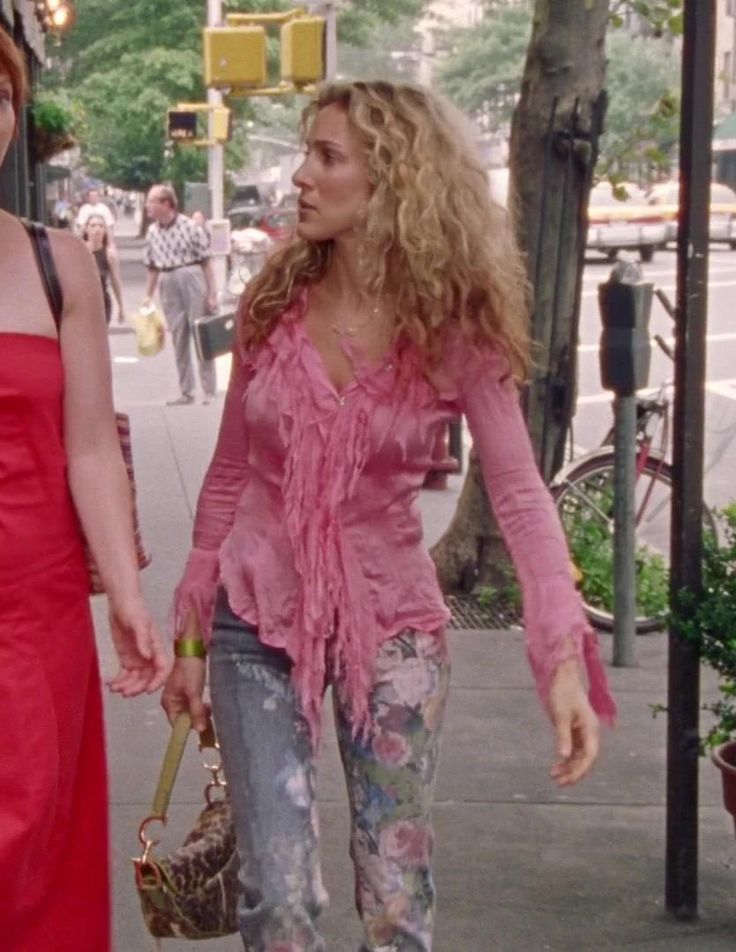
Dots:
(341, 401)
(388, 366)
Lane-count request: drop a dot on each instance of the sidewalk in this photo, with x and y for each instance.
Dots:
(520, 866)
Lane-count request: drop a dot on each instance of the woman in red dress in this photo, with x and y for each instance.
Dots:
(60, 465)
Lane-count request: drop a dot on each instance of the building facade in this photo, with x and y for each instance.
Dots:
(725, 66)
(724, 100)
(22, 184)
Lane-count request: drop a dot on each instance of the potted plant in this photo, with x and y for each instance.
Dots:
(53, 126)
(710, 622)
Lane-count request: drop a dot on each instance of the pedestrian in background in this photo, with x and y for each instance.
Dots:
(94, 205)
(97, 239)
(401, 303)
(60, 464)
(177, 257)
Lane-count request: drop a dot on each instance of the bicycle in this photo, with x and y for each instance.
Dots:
(583, 494)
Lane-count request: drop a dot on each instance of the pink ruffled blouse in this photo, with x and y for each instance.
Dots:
(308, 514)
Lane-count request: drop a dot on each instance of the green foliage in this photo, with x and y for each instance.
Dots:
(661, 16)
(643, 116)
(375, 60)
(358, 20)
(506, 597)
(709, 621)
(591, 549)
(55, 113)
(482, 75)
(125, 108)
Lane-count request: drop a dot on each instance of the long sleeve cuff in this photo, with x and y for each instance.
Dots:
(196, 592)
(557, 631)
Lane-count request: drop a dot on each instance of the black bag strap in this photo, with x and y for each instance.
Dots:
(47, 269)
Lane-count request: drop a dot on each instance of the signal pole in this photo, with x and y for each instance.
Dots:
(215, 153)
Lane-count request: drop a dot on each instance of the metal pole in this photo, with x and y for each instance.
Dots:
(330, 12)
(216, 154)
(696, 131)
(624, 525)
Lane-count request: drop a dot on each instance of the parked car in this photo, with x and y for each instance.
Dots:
(666, 198)
(246, 216)
(250, 195)
(624, 223)
(279, 225)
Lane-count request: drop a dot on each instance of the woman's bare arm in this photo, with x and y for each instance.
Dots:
(97, 474)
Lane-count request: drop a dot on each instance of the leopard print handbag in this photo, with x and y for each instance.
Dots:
(190, 893)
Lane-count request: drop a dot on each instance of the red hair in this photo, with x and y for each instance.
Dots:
(14, 67)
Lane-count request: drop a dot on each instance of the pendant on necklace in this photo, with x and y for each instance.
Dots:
(344, 330)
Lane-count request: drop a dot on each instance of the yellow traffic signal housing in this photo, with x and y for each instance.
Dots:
(303, 50)
(235, 56)
(221, 124)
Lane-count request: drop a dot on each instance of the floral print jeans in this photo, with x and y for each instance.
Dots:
(270, 765)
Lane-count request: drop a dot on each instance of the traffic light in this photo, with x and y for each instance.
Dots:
(303, 50)
(182, 125)
(221, 124)
(235, 56)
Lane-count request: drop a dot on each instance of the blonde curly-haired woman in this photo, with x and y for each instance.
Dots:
(400, 303)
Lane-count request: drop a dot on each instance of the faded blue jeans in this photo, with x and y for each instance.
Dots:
(270, 768)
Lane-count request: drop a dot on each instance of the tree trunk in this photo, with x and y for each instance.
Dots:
(553, 152)
(551, 177)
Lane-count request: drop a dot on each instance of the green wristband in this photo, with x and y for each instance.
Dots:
(190, 648)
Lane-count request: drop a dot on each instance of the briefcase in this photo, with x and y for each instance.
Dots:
(214, 334)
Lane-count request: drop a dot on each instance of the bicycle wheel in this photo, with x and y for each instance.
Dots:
(584, 500)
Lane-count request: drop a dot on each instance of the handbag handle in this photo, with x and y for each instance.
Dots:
(169, 771)
(46, 267)
(172, 761)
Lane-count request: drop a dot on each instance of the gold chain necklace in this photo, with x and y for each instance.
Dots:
(350, 330)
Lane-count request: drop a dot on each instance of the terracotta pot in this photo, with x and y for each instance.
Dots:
(724, 757)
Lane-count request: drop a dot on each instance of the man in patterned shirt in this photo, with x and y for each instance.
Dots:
(177, 257)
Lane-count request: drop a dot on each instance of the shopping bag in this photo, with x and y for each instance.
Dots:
(149, 330)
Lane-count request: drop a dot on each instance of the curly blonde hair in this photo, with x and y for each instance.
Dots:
(442, 250)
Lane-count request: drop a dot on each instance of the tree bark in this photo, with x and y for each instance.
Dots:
(551, 176)
(553, 153)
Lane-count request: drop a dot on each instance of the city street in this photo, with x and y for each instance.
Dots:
(594, 410)
(520, 865)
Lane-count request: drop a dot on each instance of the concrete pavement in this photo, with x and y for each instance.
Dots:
(520, 866)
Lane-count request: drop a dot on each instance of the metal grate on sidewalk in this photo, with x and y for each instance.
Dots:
(469, 611)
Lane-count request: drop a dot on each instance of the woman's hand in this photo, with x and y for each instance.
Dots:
(183, 692)
(576, 726)
(144, 662)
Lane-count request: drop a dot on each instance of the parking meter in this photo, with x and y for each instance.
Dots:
(625, 303)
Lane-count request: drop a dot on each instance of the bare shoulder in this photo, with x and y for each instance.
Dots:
(69, 250)
(74, 264)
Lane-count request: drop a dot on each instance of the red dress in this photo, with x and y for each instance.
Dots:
(54, 889)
